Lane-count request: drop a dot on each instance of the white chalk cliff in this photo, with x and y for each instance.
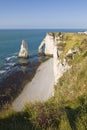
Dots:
(48, 43)
(58, 67)
(51, 48)
(23, 50)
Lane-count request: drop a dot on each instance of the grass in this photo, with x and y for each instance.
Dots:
(67, 109)
(74, 41)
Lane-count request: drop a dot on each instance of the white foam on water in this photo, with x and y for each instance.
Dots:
(11, 57)
(2, 71)
(7, 68)
(10, 64)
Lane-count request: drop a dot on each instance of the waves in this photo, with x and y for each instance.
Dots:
(2, 71)
(11, 57)
(7, 63)
(11, 61)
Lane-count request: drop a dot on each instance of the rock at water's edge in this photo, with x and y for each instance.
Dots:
(23, 50)
(48, 43)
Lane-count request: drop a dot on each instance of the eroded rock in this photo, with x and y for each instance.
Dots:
(23, 50)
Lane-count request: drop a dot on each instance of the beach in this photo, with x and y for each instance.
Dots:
(40, 89)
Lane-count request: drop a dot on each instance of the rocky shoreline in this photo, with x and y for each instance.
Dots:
(12, 84)
(14, 81)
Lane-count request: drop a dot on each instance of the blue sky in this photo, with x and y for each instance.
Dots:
(43, 14)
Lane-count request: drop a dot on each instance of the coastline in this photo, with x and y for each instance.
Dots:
(12, 83)
(39, 89)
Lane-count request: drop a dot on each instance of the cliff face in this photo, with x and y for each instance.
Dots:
(58, 67)
(65, 48)
(51, 42)
(23, 50)
(48, 43)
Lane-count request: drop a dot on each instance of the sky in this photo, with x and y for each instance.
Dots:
(42, 14)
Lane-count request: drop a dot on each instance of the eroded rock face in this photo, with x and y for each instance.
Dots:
(51, 43)
(48, 43)
(58, 67)
(23, 50)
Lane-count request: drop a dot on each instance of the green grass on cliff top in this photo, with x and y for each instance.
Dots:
(74, 41)
(67, 110)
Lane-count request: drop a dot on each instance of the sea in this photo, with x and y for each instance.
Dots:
(10, 42)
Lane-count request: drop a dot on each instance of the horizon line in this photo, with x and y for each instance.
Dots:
(36, 28)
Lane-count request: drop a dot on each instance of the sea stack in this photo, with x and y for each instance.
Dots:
(23, 53)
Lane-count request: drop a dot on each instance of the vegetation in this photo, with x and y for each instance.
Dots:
(74, 41)
(67, 110)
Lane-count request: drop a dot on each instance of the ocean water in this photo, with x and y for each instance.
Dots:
(10, 42)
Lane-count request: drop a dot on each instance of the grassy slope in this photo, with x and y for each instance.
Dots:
(67, 110)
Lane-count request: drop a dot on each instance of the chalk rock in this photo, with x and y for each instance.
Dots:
(58, 67)
(23, 50)
(48, 44)
(51, 42)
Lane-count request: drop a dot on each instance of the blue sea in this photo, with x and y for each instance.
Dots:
(10, 42)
